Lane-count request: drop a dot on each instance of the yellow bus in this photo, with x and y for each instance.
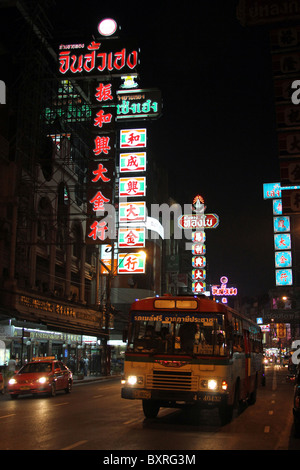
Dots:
(184, 350)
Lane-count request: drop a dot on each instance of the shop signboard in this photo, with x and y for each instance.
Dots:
(281, 224)
(132, 187)
(94, 58)
(131, 263)
(198, 261)
(132, 162)
(138, 104)
(131, 237)
(133, 138)
(271, 190)
(284, 277)
(283, 259)
(195, 221)
(198, 287)
(282, 241)
(198, 274)
(132, 211)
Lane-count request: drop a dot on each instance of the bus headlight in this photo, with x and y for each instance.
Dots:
(135, 380)
(132, 379)
(212, 384)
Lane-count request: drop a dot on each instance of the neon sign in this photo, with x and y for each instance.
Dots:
(223, 290)
(198, 221)
(141, 103)
(95, 59)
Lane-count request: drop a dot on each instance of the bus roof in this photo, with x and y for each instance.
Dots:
(185, 302)
(178, 303)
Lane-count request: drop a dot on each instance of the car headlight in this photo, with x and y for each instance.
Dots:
(12, 381)
(42, 380)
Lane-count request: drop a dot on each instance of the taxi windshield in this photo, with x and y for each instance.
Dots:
(35, 367)
(183, 333)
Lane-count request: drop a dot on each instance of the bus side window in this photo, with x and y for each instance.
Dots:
(238, 342)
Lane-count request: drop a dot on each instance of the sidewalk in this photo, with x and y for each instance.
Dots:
(94, 378)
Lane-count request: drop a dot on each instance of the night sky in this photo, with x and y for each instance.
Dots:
(217, 135)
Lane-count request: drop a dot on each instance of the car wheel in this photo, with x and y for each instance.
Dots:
(53, 390)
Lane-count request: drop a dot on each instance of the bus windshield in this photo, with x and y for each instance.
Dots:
(178, 333)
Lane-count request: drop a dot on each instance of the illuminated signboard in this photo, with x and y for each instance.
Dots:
(284, 277)
(132, 187)
(138, 103)
(132, 162)
(198, 236)
(131, 263)
(223, 290)
(281, 224)
(132, 212)
(101, 176)
(277, 206)
(94, 58)
(283, 259)
(198, 274)
(133, 138)
(271, 190)
(198, 261)
(106, 258)
(131, 237)
(198, 249)
(198, 221)
(282, 241)
(198, 287)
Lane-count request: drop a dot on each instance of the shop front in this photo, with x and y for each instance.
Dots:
(39, 326)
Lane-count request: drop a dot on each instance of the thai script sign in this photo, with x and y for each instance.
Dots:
(141, 104)
(78, 59)
(198, 221)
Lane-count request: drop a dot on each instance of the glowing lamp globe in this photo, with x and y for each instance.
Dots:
(107, 27)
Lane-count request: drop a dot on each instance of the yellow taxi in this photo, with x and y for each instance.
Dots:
(41, 375)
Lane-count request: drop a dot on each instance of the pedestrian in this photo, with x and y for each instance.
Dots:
(11, 366)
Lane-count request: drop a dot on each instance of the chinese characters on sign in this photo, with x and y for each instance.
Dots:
(282, 236)
(101, 168)
(132, 211)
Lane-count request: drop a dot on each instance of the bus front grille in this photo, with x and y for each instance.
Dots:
(171, 380)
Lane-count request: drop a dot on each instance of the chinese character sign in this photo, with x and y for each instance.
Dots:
(283, 259)
(131, 263)
(132, 187)
(281, 224)
(132, 162)
(284, 277)
(101, 170)
(133, 138)
(131, 237)
(282, 241)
